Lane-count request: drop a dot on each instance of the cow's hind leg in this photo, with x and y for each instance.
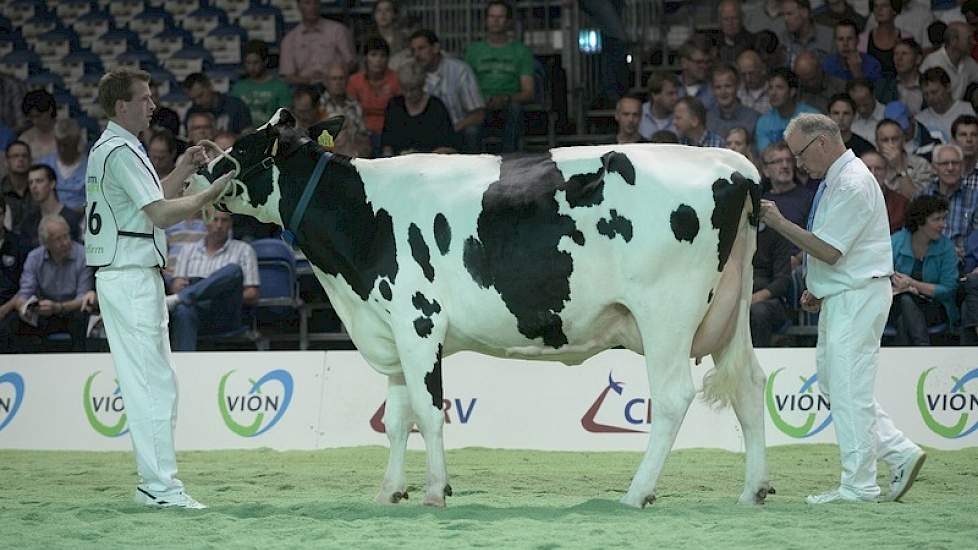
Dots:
(398, 420)
(672, 391)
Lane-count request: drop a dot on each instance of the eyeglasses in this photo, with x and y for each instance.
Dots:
(779, 161)
(805, 148)
(948, 163)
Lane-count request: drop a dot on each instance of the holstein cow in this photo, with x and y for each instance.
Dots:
(554, 256)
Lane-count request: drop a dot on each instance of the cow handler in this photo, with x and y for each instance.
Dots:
(849, 266)
(128, 207)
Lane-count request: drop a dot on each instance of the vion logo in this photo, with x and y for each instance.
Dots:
(955, 403)
(104, 408)
(636, 411)
(262, 406)
(800, 413)
(460, 409)
(11, 396)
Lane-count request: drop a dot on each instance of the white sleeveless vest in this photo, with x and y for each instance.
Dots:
(102, 231)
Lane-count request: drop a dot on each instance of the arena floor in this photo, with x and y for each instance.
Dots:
(503, 499)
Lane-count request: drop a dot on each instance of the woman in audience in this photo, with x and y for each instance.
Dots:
(416, 122)
(926, 272)
(389, 26)
(373, 88)
(880, 41)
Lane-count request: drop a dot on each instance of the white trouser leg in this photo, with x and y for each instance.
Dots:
(135, 317)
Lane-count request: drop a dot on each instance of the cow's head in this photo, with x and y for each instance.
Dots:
(255, 187)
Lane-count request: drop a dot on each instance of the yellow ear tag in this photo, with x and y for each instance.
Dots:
(275, 147)
(325, 139)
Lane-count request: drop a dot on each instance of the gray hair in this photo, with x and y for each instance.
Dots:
(942, 146)
(45, 224)
(814, 124)
(411, 75)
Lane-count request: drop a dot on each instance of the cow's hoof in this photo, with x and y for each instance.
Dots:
(391, 498)
(638, 502)
(437, 501)
(757, 497)
(448, 490)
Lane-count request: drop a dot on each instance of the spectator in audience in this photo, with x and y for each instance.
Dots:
(230, 113)
(964, 132)
(925, 278)
(842, 110)
(260, 90)
(306, 107)
(960, 193)
(896, 200)
(772, 280)
(955, 57)
(200, 126)
(41, 110)
(918, 140)
(801, 33)
(848, 63)
(12, 91)
(906, 60)
(657, 112)
(763, 15)
(782, 89)
(793, 199)
(628, 113)
(13, 254)
(313, 45)
(225, 140)
(416, 122)
(969, 308)
(504, 71)
(768, 46)
(214, 278)
(452, 81)
(832, 11)
(164, 118)
(696, 59)
(44, 198)
(753, 87)
(354, 140)
(690, 121)
(814, 86)
(178, 237)
(935, 36)
(880, 41)
(15, 187)
(664, 136)
(54, 285)
(734, 38)
(374, 86)
(869, 111)
(739, 140)
(389, 26)
(162, 152)
(728, 112)
(909, 173)
(915, 16)
(69, 164)
(942, 108)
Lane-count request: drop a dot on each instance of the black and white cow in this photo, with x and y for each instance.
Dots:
(556, 256)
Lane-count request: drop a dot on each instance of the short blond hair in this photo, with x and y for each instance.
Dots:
(116, 85)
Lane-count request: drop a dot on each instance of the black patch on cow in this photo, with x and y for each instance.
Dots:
(340, 232)
(423, 326)
(420, 252)
(617, 225)
(516, 249)
(421, 303)
(619, 163)
(583, 190)
(385, 290)
(443, 233)
(709, 297)
(433, 382)
(578, 237)
(685, 224)
(728, 203)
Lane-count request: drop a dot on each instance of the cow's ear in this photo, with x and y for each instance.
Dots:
(285, 118)
(333, 125)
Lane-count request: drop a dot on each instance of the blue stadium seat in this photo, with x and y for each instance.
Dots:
(79, 62)
(91, 26)
(36, 26)
(20, 64)
(279, 288)
(203, 21)
(234, 8)
(180, 9)
(113, 43)
(123, 11)
(168, 42)
(46, 80)
(69, 11)
(189, 60)
(262, 23)
(11, 41)
(54, 45)
(226, 43)
(164, 81)
(139, 59)
(176, 100)
(150, 22)
(222, 77)
(19, 11)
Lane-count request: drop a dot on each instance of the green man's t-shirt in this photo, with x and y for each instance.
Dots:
(498, 69)
(264, 98)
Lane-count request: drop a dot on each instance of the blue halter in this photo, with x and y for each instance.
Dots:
(289, 234)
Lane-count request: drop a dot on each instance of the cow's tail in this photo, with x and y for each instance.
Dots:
(735, 361)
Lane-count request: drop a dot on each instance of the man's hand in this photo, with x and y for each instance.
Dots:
(89, 302)
(810, 303)
(47, 308)
(770, 214)
(193, 158)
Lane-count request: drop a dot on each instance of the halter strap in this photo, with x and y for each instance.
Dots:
(289, 234)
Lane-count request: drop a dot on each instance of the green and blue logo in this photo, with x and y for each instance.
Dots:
(106, 412)
(256, 404)
(954, 402)
(10, 404)
(810, 410)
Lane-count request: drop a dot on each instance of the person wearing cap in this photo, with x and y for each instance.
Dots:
(903, 172)
(918, 140)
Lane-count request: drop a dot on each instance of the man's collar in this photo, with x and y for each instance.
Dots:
(304, 28)
(117, 129)
(839, 163)
(68, 259)
(202, 244)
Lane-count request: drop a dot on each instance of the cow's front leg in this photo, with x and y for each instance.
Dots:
(421, 351)
(397, 423)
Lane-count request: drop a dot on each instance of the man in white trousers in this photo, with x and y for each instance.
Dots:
(127, 209)
(850, 262)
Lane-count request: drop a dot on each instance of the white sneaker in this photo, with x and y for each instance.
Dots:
(834, 496)
(904, 475)
(179, 500)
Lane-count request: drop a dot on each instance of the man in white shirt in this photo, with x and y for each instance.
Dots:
(847, 242)
(955, 57)
(126, 242)
(943, 109)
